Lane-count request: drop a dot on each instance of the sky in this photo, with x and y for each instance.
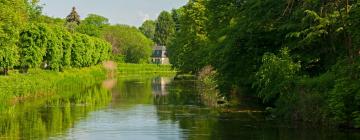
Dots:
(130, 12)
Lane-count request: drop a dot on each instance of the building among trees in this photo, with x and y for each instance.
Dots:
(160, 55)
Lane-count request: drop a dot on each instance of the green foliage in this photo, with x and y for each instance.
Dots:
(81, 51)
(12, 15)
(129, 42)
(67, 42)
(146, 69)
(239, 39)
(354, 30)
(55, 50)
(92, 25)
(344, 99)
(165, 28)
(148, 29)
(38, 82)
(276, 76)
(87, 51)
(33, 44)
(190, 41)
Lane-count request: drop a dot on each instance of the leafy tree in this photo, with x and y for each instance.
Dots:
(92, 25)
(87, 51)
(129, 42)
(73, 17)
(276, 76)
(33, 44)
(191, 38)
(78, 51)
(13, 15)
(148, 29)
(165, 28)
(72, 20)
(67, 42)
(55, 49)
(34, 10)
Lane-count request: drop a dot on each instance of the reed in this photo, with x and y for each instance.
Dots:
(39, 83)
(125, 68)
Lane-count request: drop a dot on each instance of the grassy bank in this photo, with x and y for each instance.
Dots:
(38, 83)
(124, 69)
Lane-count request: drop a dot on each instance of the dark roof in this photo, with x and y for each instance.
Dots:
(159, 48)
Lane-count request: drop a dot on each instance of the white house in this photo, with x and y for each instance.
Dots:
(160, 55)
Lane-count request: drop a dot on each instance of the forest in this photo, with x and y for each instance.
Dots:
(300, 58)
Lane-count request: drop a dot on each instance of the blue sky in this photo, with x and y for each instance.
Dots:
(131, 12)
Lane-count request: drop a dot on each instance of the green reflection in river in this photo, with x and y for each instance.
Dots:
(146, 107)
(180, 102)
(50, 116)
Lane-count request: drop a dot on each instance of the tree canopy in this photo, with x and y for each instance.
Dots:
(148, 29)
(295, 55)
(164, 29)
(92, 25)
(129, 42)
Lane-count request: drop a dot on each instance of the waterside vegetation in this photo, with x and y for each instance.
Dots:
(300, 58)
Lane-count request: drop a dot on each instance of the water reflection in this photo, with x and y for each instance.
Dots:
(151, 108)
(50, 116)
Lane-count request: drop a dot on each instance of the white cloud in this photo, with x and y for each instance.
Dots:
(143, 16)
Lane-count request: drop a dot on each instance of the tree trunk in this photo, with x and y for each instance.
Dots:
(6, 70)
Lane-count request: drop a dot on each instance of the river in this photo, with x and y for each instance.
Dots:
(147, 108)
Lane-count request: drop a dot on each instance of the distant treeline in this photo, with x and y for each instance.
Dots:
(301, 58)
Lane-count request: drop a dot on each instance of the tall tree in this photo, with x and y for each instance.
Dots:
(72, 20)
(190, 39)
(73, 17)
(34, 41)
(148, 29)
(12, 14)
(128, 42)
(165, 28)
(92, 25)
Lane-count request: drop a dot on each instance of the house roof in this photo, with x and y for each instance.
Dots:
(163, 48)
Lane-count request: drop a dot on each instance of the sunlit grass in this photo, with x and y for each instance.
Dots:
(39, 83)
(144, 69)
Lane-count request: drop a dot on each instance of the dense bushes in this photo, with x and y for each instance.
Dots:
(88, 51)
(12, 15)
(315, 80)
(276, 76)
(29, 39)
(128, 42)
(54, 47)
(33, 44)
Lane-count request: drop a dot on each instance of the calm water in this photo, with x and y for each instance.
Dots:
(155, 108)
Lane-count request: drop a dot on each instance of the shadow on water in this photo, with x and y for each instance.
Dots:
(151, 108)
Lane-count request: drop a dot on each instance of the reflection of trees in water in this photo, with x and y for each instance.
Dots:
(178, 93)
(132, 91)
(48, 117)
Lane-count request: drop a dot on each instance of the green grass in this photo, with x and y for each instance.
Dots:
(38, 83)
(124, 69)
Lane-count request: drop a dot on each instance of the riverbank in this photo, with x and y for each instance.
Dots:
(148, 69)
(18, 87)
